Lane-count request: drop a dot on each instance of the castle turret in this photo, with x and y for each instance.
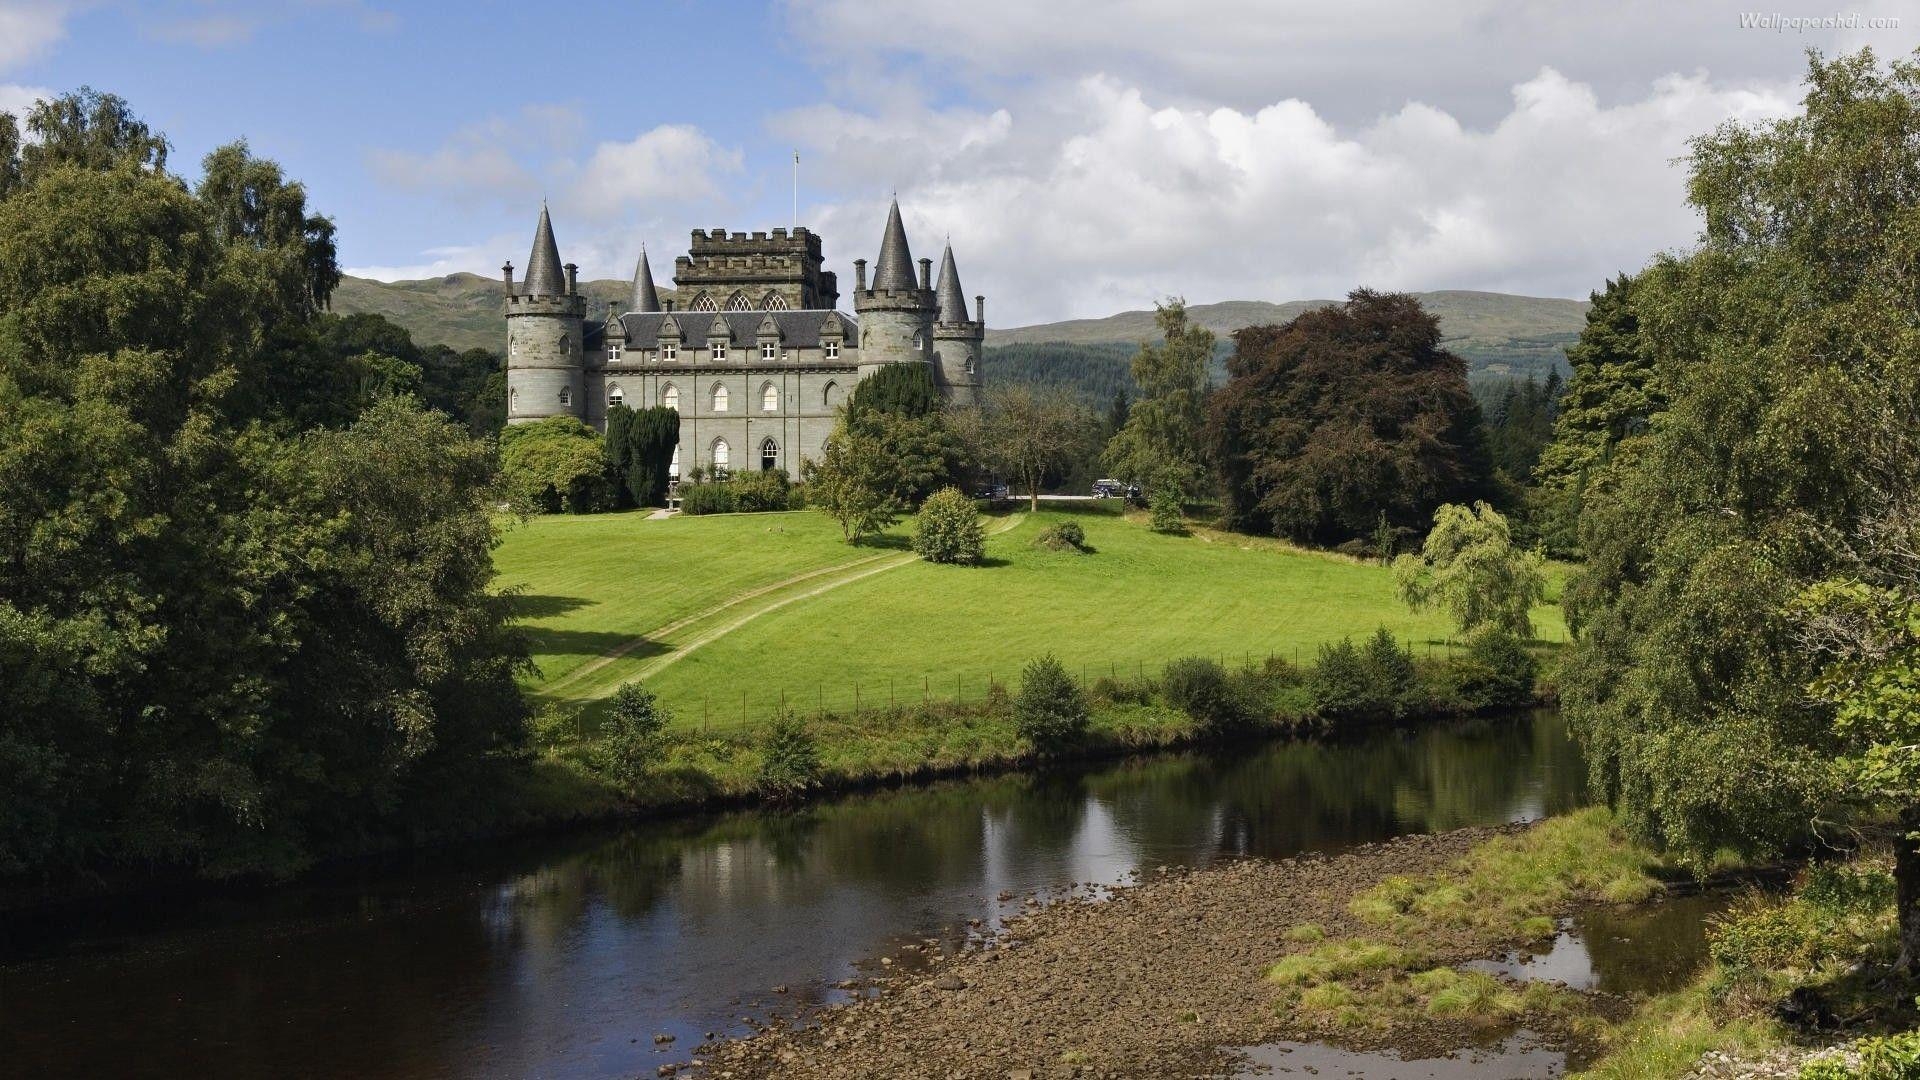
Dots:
(546, 320)
(645, 296)
(957, 339)
(896, 313)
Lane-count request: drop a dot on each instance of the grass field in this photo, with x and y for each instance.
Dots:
(727, 617)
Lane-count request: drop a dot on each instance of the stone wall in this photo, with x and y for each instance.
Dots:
(544, 358)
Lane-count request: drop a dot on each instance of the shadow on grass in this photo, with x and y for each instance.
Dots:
(587, 643)
(885, 542)
(537, 606)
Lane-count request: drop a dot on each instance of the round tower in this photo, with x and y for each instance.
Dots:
(896, 314)
(546, 319)
(957, 340)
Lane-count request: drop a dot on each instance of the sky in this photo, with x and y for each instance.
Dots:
(1082, 156)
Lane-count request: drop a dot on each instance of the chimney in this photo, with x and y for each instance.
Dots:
(860, 275)
(572, 274)
(667, 304)
(980, 310)
(506, 271)
(926, 275)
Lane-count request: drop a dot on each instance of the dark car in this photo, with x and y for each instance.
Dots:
(1114, 489)
(991, 492)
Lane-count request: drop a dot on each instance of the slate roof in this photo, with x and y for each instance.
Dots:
(953, 299)
(645, 298)
(544, 276)
(798, 329)
(894, 269)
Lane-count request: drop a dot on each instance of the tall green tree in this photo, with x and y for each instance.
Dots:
(651, 439)
(853, 482)
(1470, 567)
(1026, 432)
(1741, 669)
(1161, 441)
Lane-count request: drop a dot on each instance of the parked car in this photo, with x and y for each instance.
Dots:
(1114, 489)
(991, 492)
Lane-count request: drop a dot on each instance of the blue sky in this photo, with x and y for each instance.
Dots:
(1085, 156)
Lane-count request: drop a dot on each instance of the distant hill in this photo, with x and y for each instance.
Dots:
(1497, 333)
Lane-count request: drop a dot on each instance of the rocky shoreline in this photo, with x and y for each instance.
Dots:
(1161, 979)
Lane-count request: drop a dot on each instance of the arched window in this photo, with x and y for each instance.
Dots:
(916, 342)
(703, 302)
(670, 397)
(773, 302)
(566, 343)
(739, 302)
(513, 400)
(566, 396)
(719, 398)
(720, 453)
(614, 396)
(769, 456)
(673, 467)
(827, 395)
(769, 398)
(969, 363)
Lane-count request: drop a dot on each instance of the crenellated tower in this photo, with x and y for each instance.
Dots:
(546, 322)
(897, 312)
(957, 340)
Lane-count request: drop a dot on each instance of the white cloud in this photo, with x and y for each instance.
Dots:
(440, 262)
(489, 161)
(27, 29)
(672, 163)
(17, 99)
(1122, 199)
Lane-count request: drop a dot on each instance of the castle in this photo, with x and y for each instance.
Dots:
(749, 347)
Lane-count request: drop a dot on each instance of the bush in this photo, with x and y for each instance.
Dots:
(797, 497)
(1201, 688)
(1377, 681)
(1163, 510)
(758, 492)
(1884, 1057)
(1111, 691)
(1050, 709)
(706, 498)
(789, 758)
(1063, 536)
(1497, 672)
(630, 737)
(948, 530)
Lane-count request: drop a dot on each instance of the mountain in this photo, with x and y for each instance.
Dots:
(1497, 333)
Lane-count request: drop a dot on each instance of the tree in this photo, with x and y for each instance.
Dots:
(554, 461)
(1160, 440)
(652, 438)
(1347, 412)
(1024, 432)
(616, 444)
(948, 530)
(853, 482)
(1050, 709)
(629, 742)
(1470, 567)
(898, 390)
(1742, 667)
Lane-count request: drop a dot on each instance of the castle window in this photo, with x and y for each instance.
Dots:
(720, 455)
(826, 396)
(666, 351)
(513, 347)
(566, 343)
(719, 398)
(566, 397)
(670, 397)
(774, 302)
(770, 398)
(703, 302)
(769, 456)
(916, 341)
(769, 351)
(831, 348)
(719, 350)
(613, 350)
(513, 400)
(969, 365)
(739, 302)
(614, 396)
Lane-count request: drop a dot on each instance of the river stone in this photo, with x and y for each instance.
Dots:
(949, 981)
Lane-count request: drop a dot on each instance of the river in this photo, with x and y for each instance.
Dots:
(566, 957)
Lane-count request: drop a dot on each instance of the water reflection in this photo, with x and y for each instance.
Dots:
(565, 958)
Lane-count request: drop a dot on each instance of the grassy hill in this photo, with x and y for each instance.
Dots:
(791, 614)
(1497, 333)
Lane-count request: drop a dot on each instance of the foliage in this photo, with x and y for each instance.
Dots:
(707, 497)
(1497, 672)
(789, 758)
(1343, 414)
(629, 742)
(948, 529)
(903, 390)
(1201, 688)
(1470, 567)
(1881, 1057)
(1755, 542)
(854, 481)
(1375, 681)
(652, 435)
(223, 644)
(761, 491)
(1051, 709)
(1164, 510)
(1160, 441)
(555, 462)
(1089, 374)
(1520, 415)
(1023, 433)
(1062, 536)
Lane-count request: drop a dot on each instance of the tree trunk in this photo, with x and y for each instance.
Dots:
(1033, 493)
(1906, 879)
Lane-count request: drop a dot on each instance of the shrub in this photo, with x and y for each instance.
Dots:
(1496, 673)
(1063, 536)
(630, 736)
(1884, 1057)
(789, 758)
(1340, 684)
(948, 530)
(757, 492)
(1163, 510)
(1393, 673)
(1201, 688)
(1050, 709)
(706, 498)
(1111, 691)
(797, 497)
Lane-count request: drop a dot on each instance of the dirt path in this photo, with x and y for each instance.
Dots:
(1154, 982)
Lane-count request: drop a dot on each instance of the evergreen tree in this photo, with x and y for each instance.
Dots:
(1161, 441)
(652, 436)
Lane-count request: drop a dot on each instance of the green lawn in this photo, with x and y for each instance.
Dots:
(893, 626)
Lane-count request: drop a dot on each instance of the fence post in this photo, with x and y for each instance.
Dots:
(959, 690)
(706, 706)
(893, 702)
(926, 689)
(743, 708)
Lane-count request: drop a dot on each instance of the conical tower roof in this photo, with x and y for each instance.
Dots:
(953, 299)
(894, 270)
(544, 277)
(645, 298)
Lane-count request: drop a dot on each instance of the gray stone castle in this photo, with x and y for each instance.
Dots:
(749, 346)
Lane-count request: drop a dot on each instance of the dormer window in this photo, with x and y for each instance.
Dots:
(769, 350)
(719, 350)
(666, 351)
(613, 351)
(832, 349)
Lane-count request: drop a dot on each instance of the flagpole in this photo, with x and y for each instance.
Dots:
(796, 189)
